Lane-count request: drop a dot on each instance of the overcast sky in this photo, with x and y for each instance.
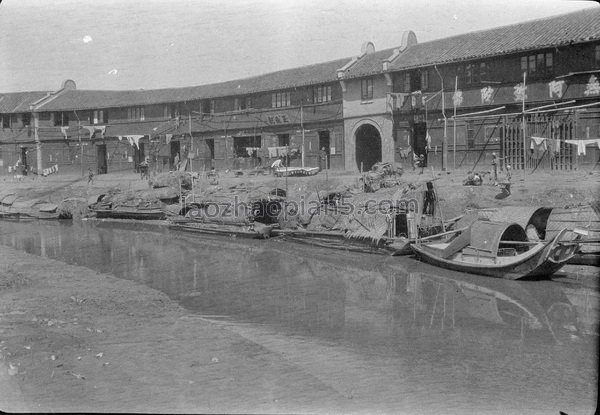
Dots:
(132, 44)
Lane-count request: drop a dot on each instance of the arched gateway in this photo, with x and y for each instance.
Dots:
(368, 146)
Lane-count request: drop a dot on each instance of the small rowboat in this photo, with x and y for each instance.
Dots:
(296, 171)
(124, 212)
(497, 249)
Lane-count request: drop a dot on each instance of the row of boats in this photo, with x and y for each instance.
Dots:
(510, 242)
(507, 242)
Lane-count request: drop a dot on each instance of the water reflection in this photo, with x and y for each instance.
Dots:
(301, 289)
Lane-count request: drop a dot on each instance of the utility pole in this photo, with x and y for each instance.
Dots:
(191, 159)
(38, 143)
(445, 139)
(454, 120)
(302, 126)
(524, 122)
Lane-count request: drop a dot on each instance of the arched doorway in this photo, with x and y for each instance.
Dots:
(368, 146)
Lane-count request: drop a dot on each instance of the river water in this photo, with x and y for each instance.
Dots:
(390, 332)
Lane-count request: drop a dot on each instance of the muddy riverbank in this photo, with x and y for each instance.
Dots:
(76, 340)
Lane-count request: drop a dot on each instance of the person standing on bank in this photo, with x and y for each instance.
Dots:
(495, 161)
(176, 161)
(324, 159)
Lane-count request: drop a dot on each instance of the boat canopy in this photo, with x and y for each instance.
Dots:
(522, 215)
(487, 235)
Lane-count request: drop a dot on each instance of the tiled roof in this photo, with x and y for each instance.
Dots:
(582, 26)
(289, 78)
(17, 102)
(369, 64)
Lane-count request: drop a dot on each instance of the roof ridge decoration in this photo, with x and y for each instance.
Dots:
(409, 39)
(367, 48)
(67, 85)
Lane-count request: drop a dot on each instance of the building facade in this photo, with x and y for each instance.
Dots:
(529, 92)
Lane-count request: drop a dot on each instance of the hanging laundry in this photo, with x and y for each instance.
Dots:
(428, 140)
(405, 153)
(134, 140)
(272, 152)
(168, 137)
(581, 144)
(554, 145)
(63, 130)
(539, 146)
(93, 128)
(120, 137)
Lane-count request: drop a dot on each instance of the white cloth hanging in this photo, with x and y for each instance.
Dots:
(134, 140)
(581, 144)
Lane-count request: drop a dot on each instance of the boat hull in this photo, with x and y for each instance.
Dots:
(233, 231)
(150, 214)
(339, 241)
(540, 262)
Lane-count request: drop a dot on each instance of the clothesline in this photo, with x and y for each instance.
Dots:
(541, 143)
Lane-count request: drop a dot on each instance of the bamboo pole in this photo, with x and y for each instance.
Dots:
(454, 127)
(524, 121)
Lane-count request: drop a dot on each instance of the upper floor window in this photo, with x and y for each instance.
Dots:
(237, 104)
(173, 111)
(424, 80)
(366, 89)
(473, 73)
(99, 117)
(321, 93)
(537, 65)
(135, 114)
(597, 56)
(406, 82)
(484, 71)
(26, 119)
(247, 103)
(61, 119)
(280, 99)
(212, 105)
(5, 120)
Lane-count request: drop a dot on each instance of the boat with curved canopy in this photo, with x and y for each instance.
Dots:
(497, 249)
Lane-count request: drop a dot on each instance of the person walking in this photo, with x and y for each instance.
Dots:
(90, 176)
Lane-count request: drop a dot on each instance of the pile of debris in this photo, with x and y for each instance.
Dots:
(382, 175)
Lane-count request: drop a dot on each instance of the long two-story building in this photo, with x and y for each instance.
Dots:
(528, 91)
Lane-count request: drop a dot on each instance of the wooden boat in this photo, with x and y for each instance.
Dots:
(497, 249)
(295, 171)
(340, 240)
(15, 208)
(383, 223)
(254, 230)
(544, 223)
(129, 212)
